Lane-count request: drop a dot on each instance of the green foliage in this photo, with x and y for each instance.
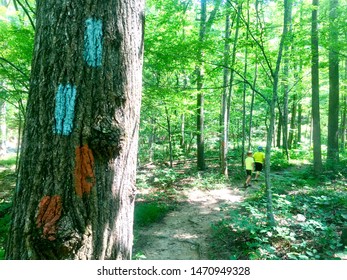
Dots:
(302, 154)
(9, 162)
(5, 218)
(165, 177)
(151, 207)
(7, 184)
(211, 179)
(278, 160)
(147, 213)
(309, 222)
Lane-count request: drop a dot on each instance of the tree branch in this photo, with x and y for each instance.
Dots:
(15, 67)
(26, 12)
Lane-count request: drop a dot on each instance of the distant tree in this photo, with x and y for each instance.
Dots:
(200, 118)
(333, 120)
(224, 111)
(75, 192)
(228, 81)
(316, 131)
(205, 28)
(3, 127)
(275, 76)
(16, 40)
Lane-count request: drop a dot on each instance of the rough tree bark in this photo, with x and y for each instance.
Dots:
(75, 193)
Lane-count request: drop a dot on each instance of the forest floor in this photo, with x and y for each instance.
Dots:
(207, 217)
(185, 233)
(181, 214)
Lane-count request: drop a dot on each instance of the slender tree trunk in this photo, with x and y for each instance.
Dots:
(183, 138)
(250, 129)
(279, 129)
(19, 140)
(343, 122)
(285, 101)
(244, 95)
(254, 82)
(151, 141)
(224, 115)
(298, 139)
(205, 27)
(168, 121)
(344, 114)
(232, 64)
(333, 119)
(3, 128)
(316, 134)
(292, 122)
(200, 96)
(75, 192)
(286, 22)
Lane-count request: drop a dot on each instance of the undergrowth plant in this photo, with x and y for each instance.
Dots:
(309, 220)
(7, 183)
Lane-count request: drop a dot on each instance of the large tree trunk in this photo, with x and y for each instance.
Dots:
(75, 193)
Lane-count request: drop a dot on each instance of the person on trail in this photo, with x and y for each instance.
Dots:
(259, 159)
(249, 163)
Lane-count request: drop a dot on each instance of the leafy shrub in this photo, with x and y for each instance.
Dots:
(245, 235)
(300, 154)
(165, 177)
(242, 237)
(278, 160)
(5, 218)
(8, 162)
(147, 213)
(209, 180)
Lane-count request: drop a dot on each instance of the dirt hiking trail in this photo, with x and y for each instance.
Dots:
(184, 234)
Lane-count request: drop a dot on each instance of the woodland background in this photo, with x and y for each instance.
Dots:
(217, 75)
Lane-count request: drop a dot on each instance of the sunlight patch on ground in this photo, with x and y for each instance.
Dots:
(214, 196)
(185, 236)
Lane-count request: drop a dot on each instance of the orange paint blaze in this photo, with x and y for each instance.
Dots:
(49, 213)
(84, 170)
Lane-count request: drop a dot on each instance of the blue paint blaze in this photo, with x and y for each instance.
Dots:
(65, 109)
(93, 42)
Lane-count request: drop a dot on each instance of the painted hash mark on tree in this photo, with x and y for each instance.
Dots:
(93, 42)
(64, 109)
(84, 170)
(48, 216)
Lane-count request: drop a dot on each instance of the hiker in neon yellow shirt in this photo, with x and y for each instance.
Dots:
(249, 162)
(259, 159)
